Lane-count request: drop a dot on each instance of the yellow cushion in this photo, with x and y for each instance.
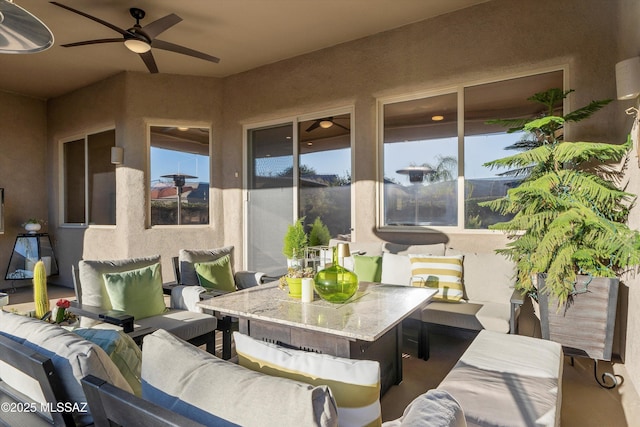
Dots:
(355, 384)
(441, 272)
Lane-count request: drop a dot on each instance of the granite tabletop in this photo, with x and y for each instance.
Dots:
(372, 311)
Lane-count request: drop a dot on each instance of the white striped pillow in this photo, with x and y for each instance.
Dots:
(355, 384)
(441, 272)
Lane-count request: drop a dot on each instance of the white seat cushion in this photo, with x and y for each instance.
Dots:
(212, 391)
(73, 357)
(508, 380)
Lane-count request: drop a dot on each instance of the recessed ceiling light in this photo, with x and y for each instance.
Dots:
(437, 118)
(183, 128)
(309, 143)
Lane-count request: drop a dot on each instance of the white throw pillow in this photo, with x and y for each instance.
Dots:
(355, 384)
(396, 269)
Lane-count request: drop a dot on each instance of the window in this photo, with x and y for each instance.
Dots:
(89, 180)
(179, 184)
(433, 154)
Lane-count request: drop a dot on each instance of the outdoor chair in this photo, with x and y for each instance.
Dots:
(128, 293)
(208, 273)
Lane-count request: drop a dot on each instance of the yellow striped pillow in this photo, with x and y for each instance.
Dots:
(441, 272)
(355, 384)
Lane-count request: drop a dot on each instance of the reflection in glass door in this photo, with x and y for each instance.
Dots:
(325, 172)
(270, 196)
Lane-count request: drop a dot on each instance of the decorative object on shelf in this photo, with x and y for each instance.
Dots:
(40, 298)
(27, 250)
(336, 283)
(33, 225)
(293, 280)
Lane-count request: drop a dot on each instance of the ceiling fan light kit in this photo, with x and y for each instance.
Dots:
(137, 46)
(141, 40)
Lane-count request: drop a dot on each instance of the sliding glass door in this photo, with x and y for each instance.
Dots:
(299, 169)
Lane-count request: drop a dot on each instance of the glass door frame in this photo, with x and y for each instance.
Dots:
(295, 123)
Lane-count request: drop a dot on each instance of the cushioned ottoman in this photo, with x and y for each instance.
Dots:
(508, 380)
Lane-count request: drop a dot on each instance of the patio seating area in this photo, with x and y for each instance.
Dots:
(584, 403)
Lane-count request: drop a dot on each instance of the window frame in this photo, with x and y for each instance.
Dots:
(459, 89)
(189, 124)
(62, 178)
(295, 121)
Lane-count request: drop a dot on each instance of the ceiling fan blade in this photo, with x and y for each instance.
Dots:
(341, 126)
(160, 25)
(159, 44)
(93, 18)
(147, 57)
(313, 126)
(87, 42)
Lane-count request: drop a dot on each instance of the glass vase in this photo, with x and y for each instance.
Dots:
(336, 283)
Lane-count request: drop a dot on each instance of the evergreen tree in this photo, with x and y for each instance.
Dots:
(570, 217)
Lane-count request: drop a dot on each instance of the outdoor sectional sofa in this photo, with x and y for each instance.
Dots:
(501, 380)
(488, 300)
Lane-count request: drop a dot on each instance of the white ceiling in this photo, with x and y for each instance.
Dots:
(244, 34)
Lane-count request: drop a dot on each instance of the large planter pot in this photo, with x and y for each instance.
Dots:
(584, 326)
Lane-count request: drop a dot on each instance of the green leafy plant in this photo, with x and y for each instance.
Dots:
(295, 240)
(319, 234)
(570, 216)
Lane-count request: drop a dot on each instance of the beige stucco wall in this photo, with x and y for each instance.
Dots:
(23, 164)
(629, 312)
(131, 102)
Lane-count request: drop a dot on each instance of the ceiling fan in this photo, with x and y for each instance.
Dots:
(140, 39)
(326, 123)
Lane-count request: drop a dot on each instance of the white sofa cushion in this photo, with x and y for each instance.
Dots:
(355, 384)
(518, 378)
(435, 408)
(73, 357)
(487, 276)
(212, 391)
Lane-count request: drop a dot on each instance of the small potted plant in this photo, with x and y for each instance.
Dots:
(295, 242)
(293, 279)
(33, 225)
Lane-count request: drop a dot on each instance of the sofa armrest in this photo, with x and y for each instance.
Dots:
(248, 279)
(517, 299)
(109, 403)
(114, 317)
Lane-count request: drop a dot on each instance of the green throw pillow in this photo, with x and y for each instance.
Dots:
(367, 268)
(137, 292)
(216, 274)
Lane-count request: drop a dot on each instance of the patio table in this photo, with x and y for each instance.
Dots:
(369, 326)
